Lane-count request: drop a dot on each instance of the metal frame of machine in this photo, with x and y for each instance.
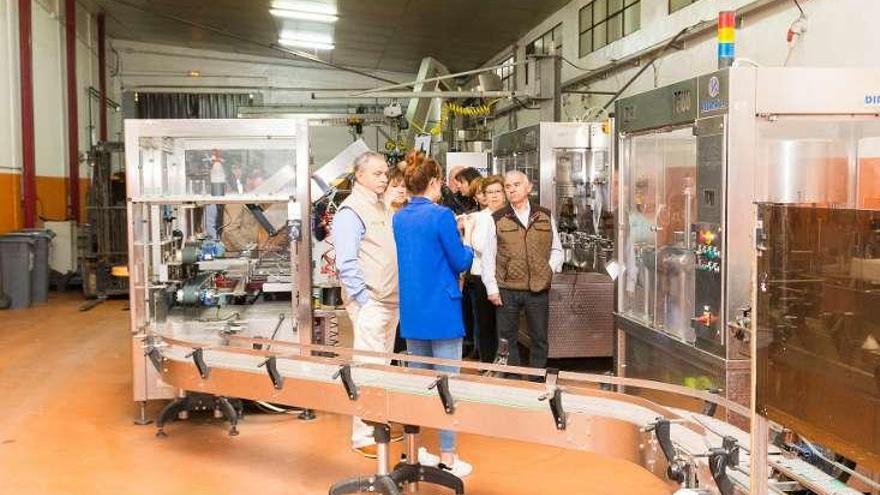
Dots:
(729, 115)
(166, 250)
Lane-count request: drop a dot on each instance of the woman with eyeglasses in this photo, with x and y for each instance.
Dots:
(490, 196)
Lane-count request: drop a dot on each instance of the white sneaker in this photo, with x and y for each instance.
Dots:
(460, 469)
(428, 459)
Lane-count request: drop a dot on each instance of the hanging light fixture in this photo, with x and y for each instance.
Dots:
(305, 11)
(305, 39)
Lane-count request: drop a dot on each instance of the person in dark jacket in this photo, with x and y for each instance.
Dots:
(464, 178)
(430, 259)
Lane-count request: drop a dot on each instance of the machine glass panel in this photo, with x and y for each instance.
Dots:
(214, 232)
(828, 161)
(657, 208)
(199, 241)
(582, 213)
(652, 358)
(818, 325)
(173, 167)
(529, 163)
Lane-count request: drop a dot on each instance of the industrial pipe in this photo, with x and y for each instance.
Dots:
(444, 77)
(327, 95)
(72, 109)
(28, 156)
(102, 78)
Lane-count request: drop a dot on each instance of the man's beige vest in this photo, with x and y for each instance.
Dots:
(523, 259)
(377, 257)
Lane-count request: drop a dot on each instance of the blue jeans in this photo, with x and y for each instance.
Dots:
(441, 349)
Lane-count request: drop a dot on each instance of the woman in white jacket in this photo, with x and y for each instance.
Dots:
(489, 194)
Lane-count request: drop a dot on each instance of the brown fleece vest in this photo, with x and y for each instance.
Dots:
(523, 260)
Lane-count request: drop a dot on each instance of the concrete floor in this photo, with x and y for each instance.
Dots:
(67, 428)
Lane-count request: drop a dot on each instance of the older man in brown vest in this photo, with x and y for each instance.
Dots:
(519, 259)
(366, 258)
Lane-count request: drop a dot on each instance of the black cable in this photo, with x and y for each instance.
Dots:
(569, 62)
(523, 106)
(645, 67)
(798, 5)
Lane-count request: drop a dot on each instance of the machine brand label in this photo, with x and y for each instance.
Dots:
(707, 106)
(714, 101)
(681, 102)
(872, 100)
(714, 86)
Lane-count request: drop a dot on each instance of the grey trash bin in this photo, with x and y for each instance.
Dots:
(41, 273)
(17, 264)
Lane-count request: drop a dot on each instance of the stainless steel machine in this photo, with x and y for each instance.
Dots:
(569, 166)
(218, 233)
(694, 156)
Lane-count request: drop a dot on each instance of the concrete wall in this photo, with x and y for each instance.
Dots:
(839, 33)
(275, 81)
(50, 108)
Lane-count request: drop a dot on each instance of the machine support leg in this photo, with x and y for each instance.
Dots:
(381, 482)
(231, 414)
(142, 418)
(408, 472)
(231, 409)
(372, 484)
(758, 472)
(411, 437)
(170, 412)
(306, 415)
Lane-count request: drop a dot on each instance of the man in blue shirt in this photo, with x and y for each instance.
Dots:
(366, 258)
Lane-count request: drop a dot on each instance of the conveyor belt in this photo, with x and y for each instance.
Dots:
(607, 423)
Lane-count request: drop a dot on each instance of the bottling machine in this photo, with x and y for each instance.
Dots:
(694, 157)
(218, 233)
(569, 166)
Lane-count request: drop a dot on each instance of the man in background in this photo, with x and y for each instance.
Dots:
(450, 193)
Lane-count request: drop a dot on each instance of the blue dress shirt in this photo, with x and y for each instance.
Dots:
(348, 231)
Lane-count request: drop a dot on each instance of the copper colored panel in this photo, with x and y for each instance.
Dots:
(818, 326)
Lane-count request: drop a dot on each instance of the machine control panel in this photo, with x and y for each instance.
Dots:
(707, 300)
(708, 252)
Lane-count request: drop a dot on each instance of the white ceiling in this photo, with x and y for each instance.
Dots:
(389, 35)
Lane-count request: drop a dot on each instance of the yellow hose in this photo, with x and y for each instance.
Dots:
(454, 108)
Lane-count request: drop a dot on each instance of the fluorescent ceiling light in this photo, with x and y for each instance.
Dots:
(303, 15)
(301, 43)
(311, 36)
(317, 7)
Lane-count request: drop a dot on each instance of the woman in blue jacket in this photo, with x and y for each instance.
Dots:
(430, 258)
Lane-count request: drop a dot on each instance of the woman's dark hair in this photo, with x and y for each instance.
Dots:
(419, 171)
(468, 175)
